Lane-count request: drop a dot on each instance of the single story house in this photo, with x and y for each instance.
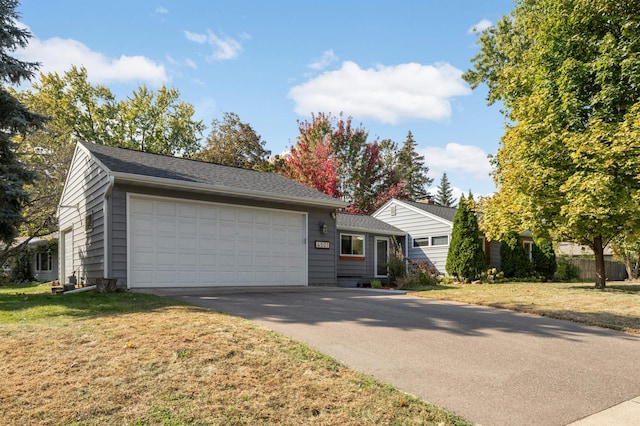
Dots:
(428, 227)
(42, 263)
(365, 247)
(151, 220)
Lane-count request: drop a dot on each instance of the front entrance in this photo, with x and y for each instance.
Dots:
(381, 256)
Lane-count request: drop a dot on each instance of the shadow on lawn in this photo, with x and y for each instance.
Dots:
(613, 288)
(43, 304)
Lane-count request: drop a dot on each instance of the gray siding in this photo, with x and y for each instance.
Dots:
(83, 195)
(419, 224)
(321, 262)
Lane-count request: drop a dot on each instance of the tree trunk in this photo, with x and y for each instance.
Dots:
(598, 250)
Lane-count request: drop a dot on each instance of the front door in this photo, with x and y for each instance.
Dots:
(382, 256)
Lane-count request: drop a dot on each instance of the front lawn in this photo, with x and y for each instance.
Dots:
(616, 307)
(138, 359)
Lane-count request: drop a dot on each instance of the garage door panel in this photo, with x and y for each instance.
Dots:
(183, 243)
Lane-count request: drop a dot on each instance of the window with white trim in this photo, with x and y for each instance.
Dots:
(352, 245)
(44, 262)
(441, 240)
(421, 242)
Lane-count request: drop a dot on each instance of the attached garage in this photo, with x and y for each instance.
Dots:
(197, 244)
(150, 220)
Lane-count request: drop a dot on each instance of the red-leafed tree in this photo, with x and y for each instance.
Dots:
(312, 163)
(367, 174)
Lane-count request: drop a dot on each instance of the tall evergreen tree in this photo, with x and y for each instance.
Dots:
(465, 258)
(411, 169)
(15, 119)
(444, 196)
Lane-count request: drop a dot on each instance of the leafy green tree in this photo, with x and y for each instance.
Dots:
(159, 122)
(567, 75)
(626, 248)
(412, 170)
(465, 258)
(234, 143)
(444, 196)
(79, 110)
(544, 258)
(514, 261)
(15, 121)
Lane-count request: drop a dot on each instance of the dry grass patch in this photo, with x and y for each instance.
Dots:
(144, 360)
(616, 307)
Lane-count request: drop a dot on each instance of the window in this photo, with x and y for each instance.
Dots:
(528, 248)
(440, 240)
(421, 242)
(351, 245)
(44, 262)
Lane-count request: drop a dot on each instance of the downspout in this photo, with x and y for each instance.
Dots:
(106, 219)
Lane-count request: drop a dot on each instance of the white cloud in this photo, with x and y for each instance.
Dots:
(389, 94)
(480, 26)
(328, 57)
(58, 55)
(223, 49)
(466, 160)
(162, 10)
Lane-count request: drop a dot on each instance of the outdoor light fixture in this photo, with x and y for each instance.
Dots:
(323, 228)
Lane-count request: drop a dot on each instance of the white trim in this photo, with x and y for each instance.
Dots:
(414, 209)
(62, 253)
(372, 231)
(375, 254)
(106, 229)
(305, 235)
(364, 245)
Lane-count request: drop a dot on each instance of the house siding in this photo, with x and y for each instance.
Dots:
(321, 268)
(83, 195)
(419, 225)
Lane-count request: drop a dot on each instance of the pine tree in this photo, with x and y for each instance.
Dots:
(465, 258)
(15, 119)
(411, 169)
(444, 196)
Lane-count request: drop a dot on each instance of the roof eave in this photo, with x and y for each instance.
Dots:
(207, 188)
(371, 231)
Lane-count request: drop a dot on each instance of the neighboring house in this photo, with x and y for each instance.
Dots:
(43, 262)
(43, 258)
(365, 246)
(577, 250)
(150, 220)
(429, 228)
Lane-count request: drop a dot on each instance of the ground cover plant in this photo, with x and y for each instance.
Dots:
(616, 307)
(88, 359)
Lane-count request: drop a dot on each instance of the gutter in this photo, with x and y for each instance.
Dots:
(204, 187)
(106, 219)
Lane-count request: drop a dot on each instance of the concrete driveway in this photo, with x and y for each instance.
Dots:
(491, 366)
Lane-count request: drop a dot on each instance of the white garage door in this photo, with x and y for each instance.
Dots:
(192, 244)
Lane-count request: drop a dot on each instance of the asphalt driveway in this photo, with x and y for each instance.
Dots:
(491, 366)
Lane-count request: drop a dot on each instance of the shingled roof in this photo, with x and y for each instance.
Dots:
(147, 168)
(364, 223)
(447, 213)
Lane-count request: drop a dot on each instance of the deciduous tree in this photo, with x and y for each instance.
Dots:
(567, 75)
(234, 143)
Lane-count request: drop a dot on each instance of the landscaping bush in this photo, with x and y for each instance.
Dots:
(566, 270)
(421, 274)
(514, 261)
(396, 268)
(544, 258)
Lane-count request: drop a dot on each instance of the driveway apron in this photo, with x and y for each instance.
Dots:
(492, 366)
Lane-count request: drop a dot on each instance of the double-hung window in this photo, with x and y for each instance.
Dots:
(44, 262)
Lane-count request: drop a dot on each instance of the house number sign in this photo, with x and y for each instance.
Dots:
(322, 244)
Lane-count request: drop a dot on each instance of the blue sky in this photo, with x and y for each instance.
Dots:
(394, 66)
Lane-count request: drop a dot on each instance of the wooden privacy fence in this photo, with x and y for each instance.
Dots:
(614, 271)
